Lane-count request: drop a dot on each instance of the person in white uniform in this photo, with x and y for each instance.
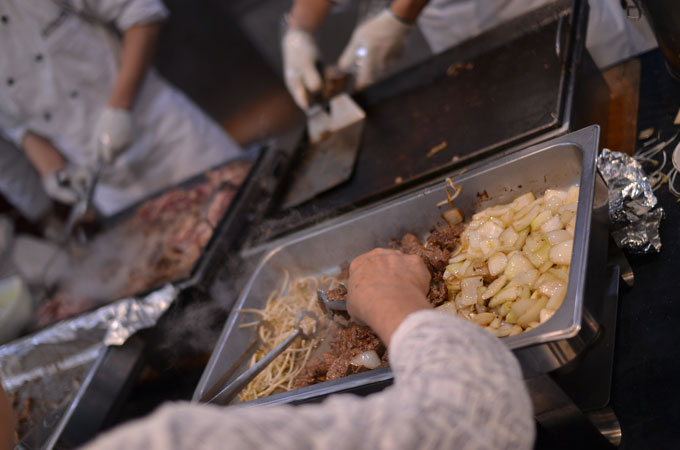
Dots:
(377, 43)
(76, 87)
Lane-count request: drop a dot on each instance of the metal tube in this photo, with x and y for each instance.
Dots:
(236, 386)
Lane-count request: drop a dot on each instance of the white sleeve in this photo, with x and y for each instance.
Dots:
(456, 386)
(124, 13)
(11, 129)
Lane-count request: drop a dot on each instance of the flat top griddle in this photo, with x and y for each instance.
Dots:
(100, 271)
(480, 97)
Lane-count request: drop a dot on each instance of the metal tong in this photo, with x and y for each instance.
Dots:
(85, 203)
(229, 392)
(330, 305)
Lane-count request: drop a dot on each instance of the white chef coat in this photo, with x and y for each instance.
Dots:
(20, 183)
(59, 60)
(611, 35)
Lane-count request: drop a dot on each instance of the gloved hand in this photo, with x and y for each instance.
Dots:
(67, 185)
(113, 133)
(373, 47)
(299, 57)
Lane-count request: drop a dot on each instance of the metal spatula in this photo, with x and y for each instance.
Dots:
(334, 141)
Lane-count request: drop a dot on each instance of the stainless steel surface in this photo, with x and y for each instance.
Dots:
(84, 204)
(55, 366)
(236, 386)
(318, 123)
(331, 305)
(561, 162)
(517, 93)
(558, 414)
(607, 423)
(617, 257)
(329, 158)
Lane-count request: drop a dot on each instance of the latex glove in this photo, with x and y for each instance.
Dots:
(67, 185)
(299, 70)
(113, 133)
(373, 47)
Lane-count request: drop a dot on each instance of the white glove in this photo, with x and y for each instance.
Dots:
(67, 185)
(113, 132)
(374, 46)
(299, 57)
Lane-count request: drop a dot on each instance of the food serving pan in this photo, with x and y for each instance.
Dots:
(223, 230)
(108, 267)
(558, 163)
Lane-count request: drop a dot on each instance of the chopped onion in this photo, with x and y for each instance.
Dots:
(521, 306)
(561, 253)
(517, 263)
(368, 359)
(545, 315)
(515, 330)
(540, 219)
(489, 245)
(484, 318)
(469, 291)
(526, 277)
(557, 236)
(448, 308)
(554, 194)
(523, 200)
(556, 300)
(561, 273)
(495, 287)
(512, 267)
(497, 263)
(453, 216)
(532, 314)
(572, 195)
(525, 221)
(458, 258)
(509, 236)
(552, 224)
(505, 295)
(490, 230)
(550, 287)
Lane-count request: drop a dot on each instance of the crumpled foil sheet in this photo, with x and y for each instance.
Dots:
(634, 219)
(43, 372)
(64, 341)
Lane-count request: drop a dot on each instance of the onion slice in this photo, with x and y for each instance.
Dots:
(368, 359)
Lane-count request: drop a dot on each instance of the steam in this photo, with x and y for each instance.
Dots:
(195, 324)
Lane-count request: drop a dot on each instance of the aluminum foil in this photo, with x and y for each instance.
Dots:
(44, 371)
(635, 219)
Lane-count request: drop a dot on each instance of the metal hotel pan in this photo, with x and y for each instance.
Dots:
(558, 163)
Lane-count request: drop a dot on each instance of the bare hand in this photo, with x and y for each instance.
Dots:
(385, 286)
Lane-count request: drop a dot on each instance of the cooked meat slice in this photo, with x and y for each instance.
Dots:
(337, 294)
(339, 368)
(438, 293)
(348, 342)
(313, 372)
(445, 238)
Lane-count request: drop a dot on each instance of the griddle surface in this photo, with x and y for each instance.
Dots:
(508, 93)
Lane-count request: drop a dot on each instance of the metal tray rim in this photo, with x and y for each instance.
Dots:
(585, 140)
(567, 321)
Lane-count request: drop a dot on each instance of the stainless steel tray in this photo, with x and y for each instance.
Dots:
(558, 163)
